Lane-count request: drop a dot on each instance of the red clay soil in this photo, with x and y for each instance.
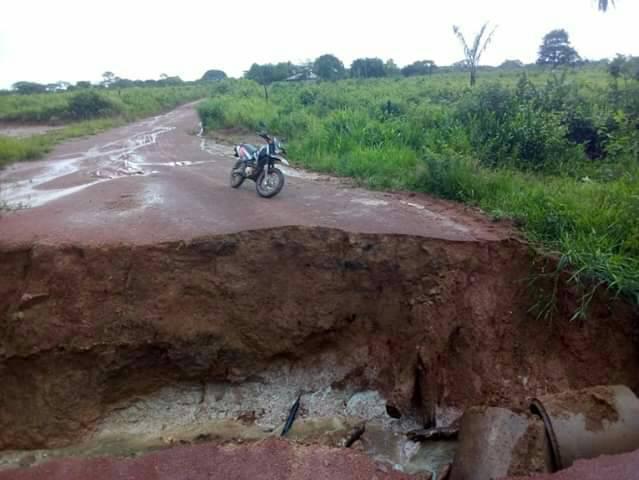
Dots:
(612, 467)
(426, 322)
(268, 460)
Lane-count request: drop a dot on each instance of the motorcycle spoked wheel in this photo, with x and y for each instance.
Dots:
(269, 184)
(237, 177)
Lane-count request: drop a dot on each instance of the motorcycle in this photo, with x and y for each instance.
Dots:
(258, 164)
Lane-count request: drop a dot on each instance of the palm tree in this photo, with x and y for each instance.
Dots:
(603, 4)
(473, 54)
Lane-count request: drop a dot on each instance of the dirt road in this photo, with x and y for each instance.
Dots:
(158, 180)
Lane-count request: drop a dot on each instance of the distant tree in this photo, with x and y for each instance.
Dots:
(460, 66)
(473, 53)
(27, 88)
(121, 83)
(329, 67)
(163, 76)
(421, 67)
(368, 68)
(213, 75)
(170, 81)
(83, 84)
(391, 69)
(556, 50)
(512, 64)
(108, 78)
(616, 66)
(269, 73)
(626, 67)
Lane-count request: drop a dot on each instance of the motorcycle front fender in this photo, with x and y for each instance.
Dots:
(279, 159)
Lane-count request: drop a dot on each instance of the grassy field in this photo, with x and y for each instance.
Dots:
(83, 113)
(558, 152)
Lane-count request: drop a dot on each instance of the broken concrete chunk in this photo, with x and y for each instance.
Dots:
(396, 450)
(497, 442)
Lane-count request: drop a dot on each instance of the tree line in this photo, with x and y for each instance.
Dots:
(554, 51)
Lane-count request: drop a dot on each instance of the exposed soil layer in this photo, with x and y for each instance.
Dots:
(432, 324)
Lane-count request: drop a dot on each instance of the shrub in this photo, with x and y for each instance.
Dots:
(90, 104)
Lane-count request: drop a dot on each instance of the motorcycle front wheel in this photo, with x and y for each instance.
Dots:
(269, 183)
(237, 177)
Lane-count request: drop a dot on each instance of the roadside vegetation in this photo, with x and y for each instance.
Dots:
(554, 149)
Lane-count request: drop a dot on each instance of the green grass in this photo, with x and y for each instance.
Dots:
(514, 147)
(29, 148)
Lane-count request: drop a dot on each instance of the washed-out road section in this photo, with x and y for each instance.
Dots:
(145, 301)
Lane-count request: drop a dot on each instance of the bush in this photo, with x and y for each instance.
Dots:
(90, 104)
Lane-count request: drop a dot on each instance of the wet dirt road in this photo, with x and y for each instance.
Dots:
(158, 180)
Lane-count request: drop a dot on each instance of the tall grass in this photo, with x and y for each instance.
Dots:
(546, 150)
(129, 102)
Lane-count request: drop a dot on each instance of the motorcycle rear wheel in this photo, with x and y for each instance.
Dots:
(237, 177)
(271, 186)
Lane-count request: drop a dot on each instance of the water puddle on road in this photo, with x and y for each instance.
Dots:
(370, 202)
(27, 187)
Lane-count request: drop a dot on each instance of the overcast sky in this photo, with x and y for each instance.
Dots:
(48, 41)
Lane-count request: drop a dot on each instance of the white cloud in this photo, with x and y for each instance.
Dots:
(78, 40)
